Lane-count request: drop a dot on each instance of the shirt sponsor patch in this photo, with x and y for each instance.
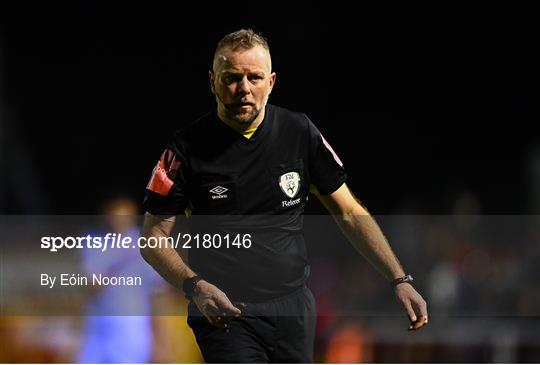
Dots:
(164, 173)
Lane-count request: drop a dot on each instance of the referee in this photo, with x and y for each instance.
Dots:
(248, 166)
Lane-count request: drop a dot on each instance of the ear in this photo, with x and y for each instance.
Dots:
(212, 79)
(272, 80)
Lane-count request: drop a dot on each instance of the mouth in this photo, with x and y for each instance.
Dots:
(242, 105)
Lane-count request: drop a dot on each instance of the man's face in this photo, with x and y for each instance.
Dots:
(242, 81)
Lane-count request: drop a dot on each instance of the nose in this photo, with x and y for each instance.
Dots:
(243, 86)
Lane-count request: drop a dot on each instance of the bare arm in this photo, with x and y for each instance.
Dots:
(165, 260)
(211, 301)
(367, 238)
(362, 231)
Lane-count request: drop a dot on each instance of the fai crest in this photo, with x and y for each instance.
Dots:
(290, 183)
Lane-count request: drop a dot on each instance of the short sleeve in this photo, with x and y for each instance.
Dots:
(325, 168)
(166, 191)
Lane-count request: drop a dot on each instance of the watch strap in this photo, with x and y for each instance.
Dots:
(189, 284)
(404, 279)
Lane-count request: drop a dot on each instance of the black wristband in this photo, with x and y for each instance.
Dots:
(188, 286)
(405, 279)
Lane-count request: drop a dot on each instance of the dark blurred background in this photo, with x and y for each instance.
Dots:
(431, 107)
(424, 103)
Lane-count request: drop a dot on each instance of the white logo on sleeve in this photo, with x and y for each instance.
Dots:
(218, 192)
(290, 183)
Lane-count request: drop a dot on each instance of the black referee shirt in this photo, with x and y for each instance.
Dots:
(234, 185)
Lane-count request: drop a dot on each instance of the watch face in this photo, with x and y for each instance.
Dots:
(405, 279)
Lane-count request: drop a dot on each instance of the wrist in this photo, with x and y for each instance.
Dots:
(190, 286)
(198, 287)
(403, 279)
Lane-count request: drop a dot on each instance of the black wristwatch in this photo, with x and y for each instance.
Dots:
(188, 286)
(405, 279)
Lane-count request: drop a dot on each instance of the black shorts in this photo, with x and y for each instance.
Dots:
(281, 330)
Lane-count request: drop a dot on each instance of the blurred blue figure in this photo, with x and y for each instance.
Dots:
(118, 324)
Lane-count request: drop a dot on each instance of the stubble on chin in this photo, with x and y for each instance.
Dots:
(243, 119)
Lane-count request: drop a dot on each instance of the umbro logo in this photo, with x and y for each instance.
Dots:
(218, 192)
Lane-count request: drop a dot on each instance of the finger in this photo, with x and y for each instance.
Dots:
(422, 306)
(216, 321)
(422, 321)
(227, 307)
(210, 308)
(212, 320)
(240, 305)
(219, 317)
(410, 311)
(215, 316)
(212, 314)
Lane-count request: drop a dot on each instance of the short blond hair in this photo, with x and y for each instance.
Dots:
(243, 39)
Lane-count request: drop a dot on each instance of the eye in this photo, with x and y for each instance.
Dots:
(255, 78)
(228, 79)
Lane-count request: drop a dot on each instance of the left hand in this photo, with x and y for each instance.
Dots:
(415, 305)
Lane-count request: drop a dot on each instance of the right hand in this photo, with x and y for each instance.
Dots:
(214, 304)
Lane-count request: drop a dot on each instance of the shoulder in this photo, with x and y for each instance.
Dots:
(288, 119)
(190, 132)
